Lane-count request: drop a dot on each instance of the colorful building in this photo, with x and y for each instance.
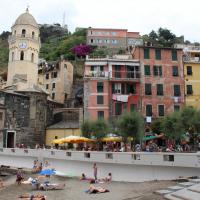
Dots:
(162, 80)
(111, 86)
(113, 38)
(192, 76)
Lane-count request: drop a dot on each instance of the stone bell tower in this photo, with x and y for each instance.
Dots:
(24, 46)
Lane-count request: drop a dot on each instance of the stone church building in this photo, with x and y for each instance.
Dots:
(25, 108)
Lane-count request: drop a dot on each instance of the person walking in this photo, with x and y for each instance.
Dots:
(95, 171)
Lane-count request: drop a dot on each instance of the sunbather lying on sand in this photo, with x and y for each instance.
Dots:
(93, 190)
(32, 197)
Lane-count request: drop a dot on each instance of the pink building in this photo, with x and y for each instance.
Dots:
(162, 80)
(111, 86)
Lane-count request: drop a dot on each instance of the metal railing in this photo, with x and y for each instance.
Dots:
(126, 74)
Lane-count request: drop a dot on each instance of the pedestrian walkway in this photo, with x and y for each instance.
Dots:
(182, 191)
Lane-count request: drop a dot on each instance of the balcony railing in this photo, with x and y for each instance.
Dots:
(125, 74)
(103, 74)
(23, 36)
(191, 59)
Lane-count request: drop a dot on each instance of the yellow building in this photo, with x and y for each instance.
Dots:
(69, 125)
(192, 76)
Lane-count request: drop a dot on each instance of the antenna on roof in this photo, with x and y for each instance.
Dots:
(63, 24)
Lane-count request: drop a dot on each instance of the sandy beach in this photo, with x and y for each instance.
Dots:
(75, 190)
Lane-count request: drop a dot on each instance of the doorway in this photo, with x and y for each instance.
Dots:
(10, 139)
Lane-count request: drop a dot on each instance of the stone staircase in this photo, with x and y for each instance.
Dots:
(182, 191)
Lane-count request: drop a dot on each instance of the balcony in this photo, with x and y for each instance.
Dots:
(12, 38)
(125, 75)
(96, 74)
(191, 59)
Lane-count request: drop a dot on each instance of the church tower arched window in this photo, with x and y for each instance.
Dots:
(33, 35)
(23, 32)
(32, 57)
(21, 55)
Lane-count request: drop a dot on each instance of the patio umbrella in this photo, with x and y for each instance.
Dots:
(111, 139)
(47, 172)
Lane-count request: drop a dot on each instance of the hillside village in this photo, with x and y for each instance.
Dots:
(53, 82)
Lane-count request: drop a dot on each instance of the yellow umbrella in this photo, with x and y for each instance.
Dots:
(111, 139)
(76, 139)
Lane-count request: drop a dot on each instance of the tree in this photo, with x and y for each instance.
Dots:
(86, 129)
(130, 125)
(172, 126)
(156, 126)
(187, 116)
(99, 129)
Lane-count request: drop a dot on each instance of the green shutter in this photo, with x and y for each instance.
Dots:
(146, 53)
(148, 110)
(161, 111)
(147, 71)
(174, 55)
(158, 54)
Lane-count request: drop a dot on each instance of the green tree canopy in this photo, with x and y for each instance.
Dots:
(130, 125)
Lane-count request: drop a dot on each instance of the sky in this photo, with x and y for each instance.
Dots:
(180, 16)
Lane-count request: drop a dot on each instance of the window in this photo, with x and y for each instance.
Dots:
(13, 56)
(189, 70)
(99, 86)
(131, 88)
(148, 89)
(100, 114)
(47, 76)
(53, 85)
(161, 110)
(174, 55)
(157, 70)
(160, 89)
(47, 86)
(177, 91)
(147, 71)
(149, 110)
(117, 71)
(32, 57)
(53, 95)
(146, 53)
(133, 107)
(189, 89)
(116, 88)
(23, 32)
(54, 74)
(175, 70)
(118, 108)
(158, 54)
(91, 40)
(176, 108)
(21, 55)
(99, 99)
(33, 35)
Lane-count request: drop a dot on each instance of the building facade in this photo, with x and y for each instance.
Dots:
(57, 78)
(192, 76)
(162, 80)
(113, 38)
(111, 86)
(24, 46)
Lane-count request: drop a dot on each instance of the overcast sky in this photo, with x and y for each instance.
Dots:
(180, 16)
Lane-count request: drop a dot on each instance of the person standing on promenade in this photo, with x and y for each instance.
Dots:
(95, 171)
